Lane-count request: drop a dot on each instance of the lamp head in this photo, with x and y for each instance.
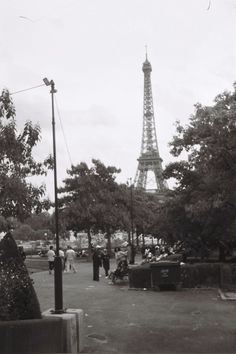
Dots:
(46, 81)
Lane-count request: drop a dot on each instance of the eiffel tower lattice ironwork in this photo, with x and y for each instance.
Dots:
(149, 160)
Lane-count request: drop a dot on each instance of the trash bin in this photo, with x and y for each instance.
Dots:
(140, 277)
(165, 275)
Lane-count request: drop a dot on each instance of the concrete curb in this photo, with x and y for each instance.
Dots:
(79, 314)
(72, 329)
(227, 295)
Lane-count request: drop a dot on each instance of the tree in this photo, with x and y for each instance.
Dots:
(24, 233)
(41, 221)
(145, 210)
(3, 224)
(43, 225)
(205, 196)
(91, 198)
(18, 197)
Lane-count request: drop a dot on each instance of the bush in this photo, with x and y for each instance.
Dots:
(200, 274)
(18, 300)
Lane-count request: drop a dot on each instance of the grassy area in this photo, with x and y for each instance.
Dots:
(36, 264)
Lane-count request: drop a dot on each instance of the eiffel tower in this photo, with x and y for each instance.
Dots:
(149, 162)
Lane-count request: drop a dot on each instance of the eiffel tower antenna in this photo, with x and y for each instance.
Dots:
(149, 160)
(146, 51)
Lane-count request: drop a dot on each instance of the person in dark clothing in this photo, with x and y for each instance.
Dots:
(97, 262)
(106, 261)
(22, 252)
(143, 252)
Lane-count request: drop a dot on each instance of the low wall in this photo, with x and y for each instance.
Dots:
(31, 336)
(221, 275)
(200, 274)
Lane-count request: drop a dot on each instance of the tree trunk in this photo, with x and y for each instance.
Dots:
(137, 240)
(129, 237)
(143, 240)
(132, 258)
(109, 243)
(221, 253)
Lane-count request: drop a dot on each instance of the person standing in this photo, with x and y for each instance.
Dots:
(143, 251)
(106, 261)
(22, 252)
(70, 259)
(51, 257)
(97, 262)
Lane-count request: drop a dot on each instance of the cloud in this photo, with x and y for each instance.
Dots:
(94, 51)
(94, 116)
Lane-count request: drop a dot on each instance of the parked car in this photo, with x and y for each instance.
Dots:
(82, 253)
(43, 252)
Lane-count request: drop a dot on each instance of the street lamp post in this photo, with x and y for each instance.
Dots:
(57, 262)
(132, 222)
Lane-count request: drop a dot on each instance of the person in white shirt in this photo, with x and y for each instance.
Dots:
(51, 256)
(70, 259)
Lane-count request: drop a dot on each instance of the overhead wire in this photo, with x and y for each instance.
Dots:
(63, 132)
(30, 88)
(209, 5)
(27, 89)
(58, 113)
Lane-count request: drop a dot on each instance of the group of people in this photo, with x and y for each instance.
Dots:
(100, 258)
(155, 253)
(67, 259)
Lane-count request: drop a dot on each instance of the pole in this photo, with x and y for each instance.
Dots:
(57, 262)
(132, 222)
(131, 214)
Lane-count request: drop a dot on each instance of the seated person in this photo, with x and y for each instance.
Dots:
(122, 267)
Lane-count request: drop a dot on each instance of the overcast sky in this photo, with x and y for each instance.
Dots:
(94, 50)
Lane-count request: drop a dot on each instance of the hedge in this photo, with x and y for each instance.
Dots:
(208, 275)
(18, 300)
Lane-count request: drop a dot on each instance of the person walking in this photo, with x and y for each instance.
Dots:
(70, 259)
(51, 256)
(97, 262)
(22, 252)
(106, 262)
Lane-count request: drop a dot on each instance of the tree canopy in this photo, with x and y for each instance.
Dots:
(91, 199)
(203, 205)
(18, 196)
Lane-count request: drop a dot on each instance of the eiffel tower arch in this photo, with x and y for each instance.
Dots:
(149, 161)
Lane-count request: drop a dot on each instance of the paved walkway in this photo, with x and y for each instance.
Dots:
(120, 320)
